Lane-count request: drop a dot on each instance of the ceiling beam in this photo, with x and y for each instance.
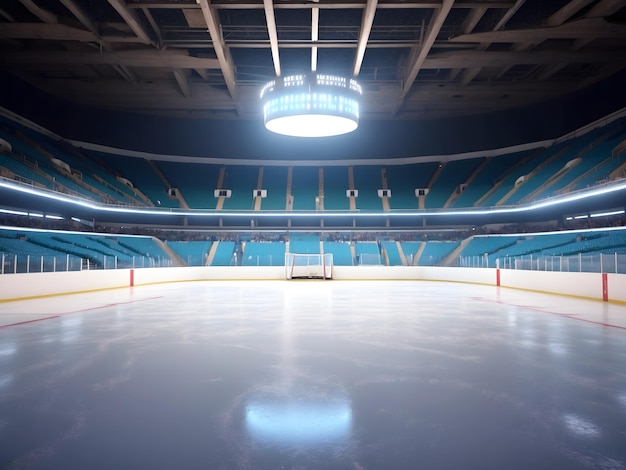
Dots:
(153, 25)
(472, 19)
(85, 20)
(364, 33)
(566, 12)
(183, 78)
(156, 95)
(56, 32)
(223, 54)
(302, 5)
(583, 28)
(41, 13)
(437, 20)
(605, 8)
(80, 14)
(557, 18)
(52, 32)
(470, 74)
(601, 9)
(315, 35)
(4, 14)
(509, 14)
(164, 95)
(468, 25)
(131, 19)
(469, 59)
(270, 21)
(126, 73)
(168, 58)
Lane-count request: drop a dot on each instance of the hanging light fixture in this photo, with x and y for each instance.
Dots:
(313, 105)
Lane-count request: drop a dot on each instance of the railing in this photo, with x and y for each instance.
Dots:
(583, 263)
(593, 263)
(11, 263)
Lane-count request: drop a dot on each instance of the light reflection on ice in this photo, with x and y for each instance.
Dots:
(299, 422)
(559, 349)
(71, 328)
(6, 379)
(7, 350)
(580, 426)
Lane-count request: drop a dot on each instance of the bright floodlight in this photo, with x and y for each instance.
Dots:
(314, 105)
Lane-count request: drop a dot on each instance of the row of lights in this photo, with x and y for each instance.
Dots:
(314, 105)
(303, 80)
(312, 102)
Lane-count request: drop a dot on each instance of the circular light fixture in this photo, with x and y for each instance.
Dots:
(314, 105)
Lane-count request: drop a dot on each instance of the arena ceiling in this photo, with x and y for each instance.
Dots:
(414, 58)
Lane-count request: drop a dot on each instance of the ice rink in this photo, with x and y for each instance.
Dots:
(312, 375)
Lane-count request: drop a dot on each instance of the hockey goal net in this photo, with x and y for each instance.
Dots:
(307, 266)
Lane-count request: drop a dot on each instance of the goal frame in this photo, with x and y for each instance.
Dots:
(309, 266)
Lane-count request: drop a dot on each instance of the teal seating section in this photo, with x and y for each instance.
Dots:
(479, 245)
(141, 174)
(410, 249)
(403, 180)
(264, 254)
(275, 182)
(452, 175)
(600, 173)
(224, 254)
(145, 247)
(368, 180)
(22, 170)
(304, 244)
(304, 187)
(242, 181)
(195, 181)
(10, 243)
(549, 244)
(487, 177)
(571, 151)
(114, 250)
(531, 162)
(335, 185)
(342, 255)
(95, 175)
(597, 242)
(367, 253)
(436, 251)
(393, 255)
(540, 244)
(114, 190)
(600, 157)
(192, 252)
(56, 180)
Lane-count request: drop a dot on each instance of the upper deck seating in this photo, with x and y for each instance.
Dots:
(368, 180)
(335, 185)
(452, 175)
(195, 181)
(403, 180)
(304, 187)
(275, 182)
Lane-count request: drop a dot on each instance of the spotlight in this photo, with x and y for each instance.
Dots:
(313, 105)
